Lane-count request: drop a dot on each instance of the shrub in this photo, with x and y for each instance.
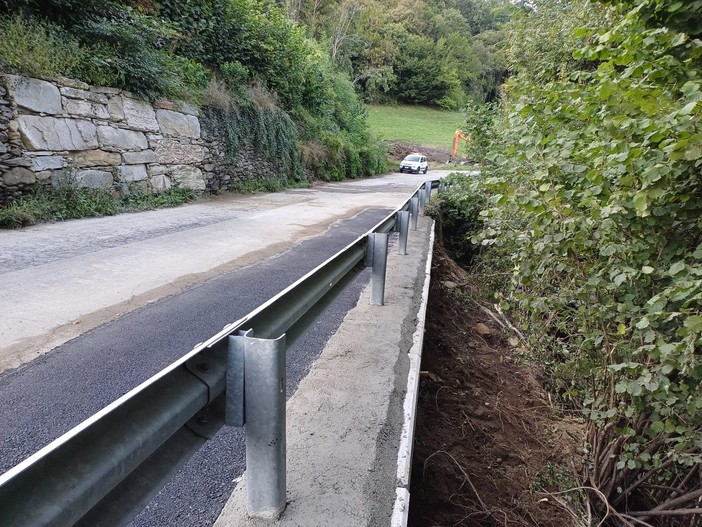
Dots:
(138, 200)
(269, 132)
(38, 48)
(217, 96)
(594, 203)
(457, 212)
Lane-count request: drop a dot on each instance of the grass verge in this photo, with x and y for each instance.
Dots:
(65, 203)
(268, 184)
(415, 124)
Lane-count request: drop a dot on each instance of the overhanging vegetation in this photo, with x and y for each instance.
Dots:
(592, 238)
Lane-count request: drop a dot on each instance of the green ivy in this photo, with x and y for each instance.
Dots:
(270, 132)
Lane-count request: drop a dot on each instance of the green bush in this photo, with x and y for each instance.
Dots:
(38, 48)
(133, 53)
(594, 185)
(137, 199)
(64, 201)
(457, 212)
(104, 43)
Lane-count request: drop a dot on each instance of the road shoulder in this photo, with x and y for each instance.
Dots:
(345, 420)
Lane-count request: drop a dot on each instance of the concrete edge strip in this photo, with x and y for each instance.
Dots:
(400, 512)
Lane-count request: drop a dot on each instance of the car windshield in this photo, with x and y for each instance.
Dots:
(412, 158)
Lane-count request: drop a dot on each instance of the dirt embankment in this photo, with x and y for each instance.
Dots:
(487, 439)
(397, 150)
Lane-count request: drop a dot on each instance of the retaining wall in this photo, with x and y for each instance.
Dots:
(107, 138)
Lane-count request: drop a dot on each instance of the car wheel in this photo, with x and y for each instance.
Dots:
(426, 169)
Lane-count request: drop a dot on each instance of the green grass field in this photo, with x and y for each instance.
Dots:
(415, 124)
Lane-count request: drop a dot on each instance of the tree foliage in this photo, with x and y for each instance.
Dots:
(426, 51)
(248, 51)
(596, 200)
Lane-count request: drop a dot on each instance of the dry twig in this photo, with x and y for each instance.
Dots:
(465, 474)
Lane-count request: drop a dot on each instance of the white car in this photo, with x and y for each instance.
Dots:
(414, 163)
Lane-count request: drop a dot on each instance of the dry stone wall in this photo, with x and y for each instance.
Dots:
(223, 173)
(106, 138)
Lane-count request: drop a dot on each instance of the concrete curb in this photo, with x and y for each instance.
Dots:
(400, 512)
(351, 415)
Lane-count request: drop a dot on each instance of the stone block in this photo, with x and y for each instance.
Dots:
(187, 108)
(43, 176)
(130, 173)
(137, 158)
(158, 170)
(160, 183)
(50, 133)
(171, 152)
(86, 109)
(115, 107)
(94, 179)
(19, 162)
(178, 124)
(187, 176)
(48, 163)
(121, 139)
(139, 115)
(19, 176)
(84, 95)
(34, 94)
(72, 83)
(163, 104)
(94, 158)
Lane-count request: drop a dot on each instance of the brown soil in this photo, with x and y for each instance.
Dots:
(487, 440)
(397, 150)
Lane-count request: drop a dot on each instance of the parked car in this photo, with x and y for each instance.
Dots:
(414, 163)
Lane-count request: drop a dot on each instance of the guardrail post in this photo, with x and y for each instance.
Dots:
(403, 221)
(427, 193)
(379, 241)
(414, 212)
(264, 415)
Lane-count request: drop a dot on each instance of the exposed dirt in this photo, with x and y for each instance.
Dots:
(487, 440)
(397, 150)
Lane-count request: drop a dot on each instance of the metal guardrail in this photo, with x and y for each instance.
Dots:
(103, 471)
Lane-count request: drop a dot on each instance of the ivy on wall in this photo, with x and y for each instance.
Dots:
(270, 132)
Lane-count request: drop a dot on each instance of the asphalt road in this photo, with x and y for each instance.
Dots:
(46, 397)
